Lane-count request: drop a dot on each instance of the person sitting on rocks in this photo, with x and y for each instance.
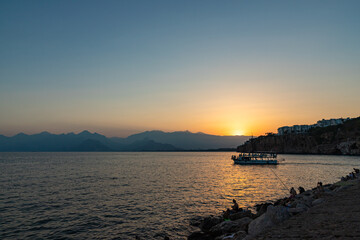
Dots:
(351, 176)
(301, 190)
(357, 170)
(226, 215)
(235, 207)
(292, 193)
(319, 189)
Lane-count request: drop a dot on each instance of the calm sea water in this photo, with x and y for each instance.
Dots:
(124, 195)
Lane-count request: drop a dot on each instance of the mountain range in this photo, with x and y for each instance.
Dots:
(145, 141)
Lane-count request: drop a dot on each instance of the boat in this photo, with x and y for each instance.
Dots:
(255, 159)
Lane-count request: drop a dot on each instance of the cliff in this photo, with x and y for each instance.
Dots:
(343, 139)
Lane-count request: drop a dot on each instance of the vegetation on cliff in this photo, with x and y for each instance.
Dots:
(339, 139)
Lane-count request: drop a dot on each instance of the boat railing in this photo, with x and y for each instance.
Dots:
(258, 156)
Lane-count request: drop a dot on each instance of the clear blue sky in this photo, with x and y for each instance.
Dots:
(221, 67)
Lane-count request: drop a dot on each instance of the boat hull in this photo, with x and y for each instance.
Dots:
(256, 162)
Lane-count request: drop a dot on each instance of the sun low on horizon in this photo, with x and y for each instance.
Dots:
(238, 133)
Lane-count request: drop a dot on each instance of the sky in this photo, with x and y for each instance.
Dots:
(218, 67)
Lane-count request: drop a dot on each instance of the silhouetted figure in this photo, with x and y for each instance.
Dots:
(235, 207)
(292, 193)
(357, 170)
(301, 190)
(319, 189)
(226, 215)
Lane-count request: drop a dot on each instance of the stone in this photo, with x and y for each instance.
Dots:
(240, 215)
(261, 208)
(232, 236)
(260, 224)
(302, 206)
(196, 221)
(209, 222)
(199, 236)
(277, 214)
(308, 193)
(307, 201)
(317, 201)
(240, 235)
(230, 226)
(273, 216)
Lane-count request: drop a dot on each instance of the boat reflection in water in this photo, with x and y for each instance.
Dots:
(255, 159)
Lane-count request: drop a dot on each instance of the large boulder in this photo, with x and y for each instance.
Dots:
(273, 216)
(232, 236)
(277, 214)
(300, 207)
(209, 222)
(240, 215)
(317, 201)
(230, 226)
(199, 236)
(260, 224)
(261, 208)
(196, 221)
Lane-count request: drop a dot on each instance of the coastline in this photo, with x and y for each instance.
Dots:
(337, 217)
(331, 213)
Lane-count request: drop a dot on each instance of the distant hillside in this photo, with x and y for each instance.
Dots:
(188, 140)
(147, 141)
(84, 141)
(339, 139)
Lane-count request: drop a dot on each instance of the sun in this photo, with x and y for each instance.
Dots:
(238, 132)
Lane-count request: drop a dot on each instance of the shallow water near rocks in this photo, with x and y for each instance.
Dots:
(124, 195)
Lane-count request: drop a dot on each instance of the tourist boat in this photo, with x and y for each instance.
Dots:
(255, 159)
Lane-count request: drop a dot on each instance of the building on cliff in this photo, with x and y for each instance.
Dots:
(296, 129)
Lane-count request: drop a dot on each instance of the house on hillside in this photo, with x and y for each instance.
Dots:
(297, 129)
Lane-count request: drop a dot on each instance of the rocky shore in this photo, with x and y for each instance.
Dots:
(331, 211)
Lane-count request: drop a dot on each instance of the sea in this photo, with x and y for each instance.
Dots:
(147, 195)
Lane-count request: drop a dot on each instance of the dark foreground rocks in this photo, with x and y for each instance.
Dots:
(330, 213)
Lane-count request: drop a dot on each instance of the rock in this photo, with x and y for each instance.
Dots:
(240, 215)
(277, 214)
(230, 226)
(299, 209)
(317, 201)
(209, 222)
(261, 208)
(295, 211)
(260, 224)
(302, 206)
(240, 235)
(307, 201)
(233, 236)
(308, 193)
(273, 216)
(196, 221)
(280, 201)
(199, 236)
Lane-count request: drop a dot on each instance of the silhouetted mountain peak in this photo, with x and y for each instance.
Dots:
(85, 132)
(21, 135)
(44, 133)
